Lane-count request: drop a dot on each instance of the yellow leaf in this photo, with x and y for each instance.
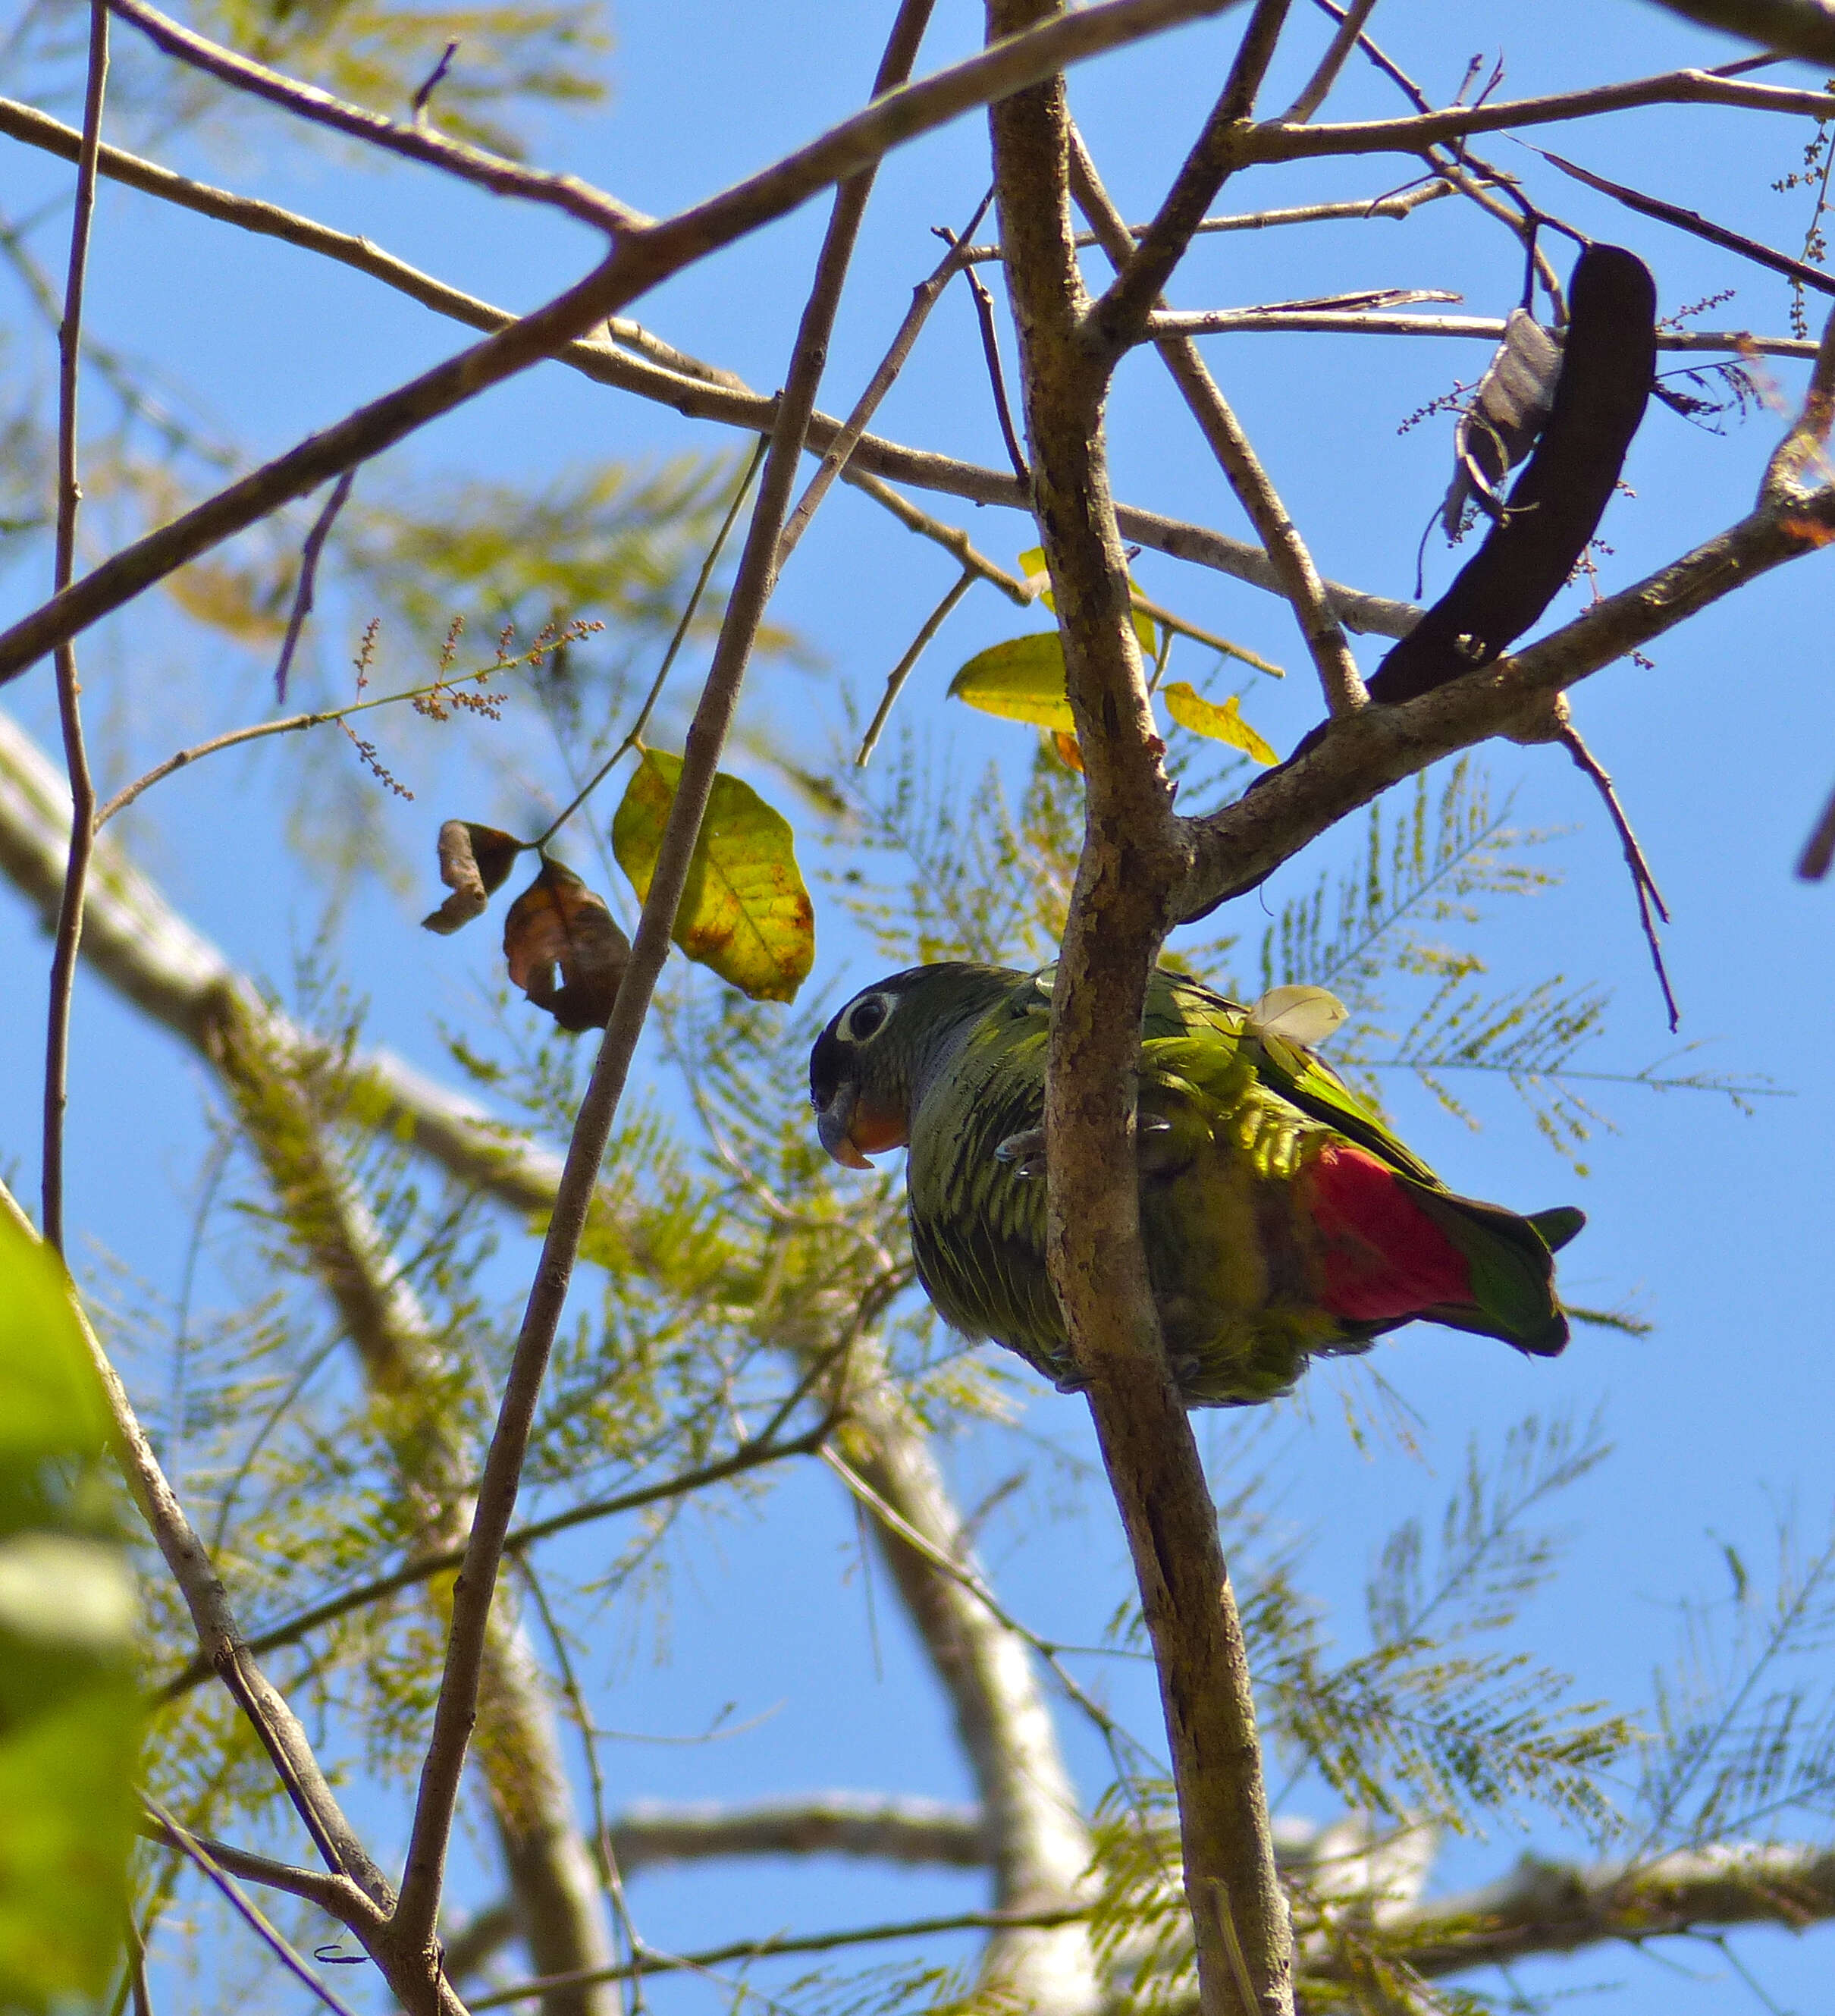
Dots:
(1297, 1014)
(745, 911)
(1020, 680)
(1037, 574)
(1065, 748)
(1221, 724)
(1033, 567)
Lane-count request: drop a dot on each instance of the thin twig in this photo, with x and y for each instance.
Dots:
(895, 680)
(924, 296)
(966, 1577)
(1819, 850)
(1643, 880)
(996, 377)
(455, 1710)
(707, 393)
(647, 342)
(76, 757)
(1144, 267)
(1319, 84)
(675, 644)
(1287, 554)
(952, 539)
(422, 98)
(244, 1906)
(1698, 226)
(1485, 329)
(330, 1893)
(291, 724)
(1400, 203)
(208, 1604)
(640, 259)
(1274, 142)
(655, 1962)
(307, 101)
(1467, 173)
(765, 1449)
(309, 553)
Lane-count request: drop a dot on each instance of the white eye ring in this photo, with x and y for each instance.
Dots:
(876, 1010)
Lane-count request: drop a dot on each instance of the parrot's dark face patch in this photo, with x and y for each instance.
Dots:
(855, 1117)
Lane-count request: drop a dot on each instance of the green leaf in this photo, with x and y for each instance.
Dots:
(70, 1716)
(1191, 710)
(745, 911)
(1020, 680)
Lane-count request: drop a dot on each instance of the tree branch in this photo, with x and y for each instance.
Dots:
(1360, 757)
(82, 836)
(640, 259)
(1286, 551)
(337, 1896)
(1318, 87)
(1276, 141)
(649, 1962)
(1130, 861)
(1489, 329)
(456, 1709)
(703, 392)
(416, 142)
(1141, 274)
(188, 1846)
(1547, 1907)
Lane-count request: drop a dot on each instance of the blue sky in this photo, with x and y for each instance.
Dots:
(1712, 1223)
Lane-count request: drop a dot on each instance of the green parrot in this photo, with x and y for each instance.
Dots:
(1282, 1219)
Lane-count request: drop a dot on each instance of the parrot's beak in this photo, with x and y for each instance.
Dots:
(834, 1125)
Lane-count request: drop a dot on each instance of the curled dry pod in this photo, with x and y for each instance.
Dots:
(1608, 363)
(474, 862)
(1498, 428)
(559, 926)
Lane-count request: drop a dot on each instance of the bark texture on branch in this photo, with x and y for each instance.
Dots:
(1130, 860)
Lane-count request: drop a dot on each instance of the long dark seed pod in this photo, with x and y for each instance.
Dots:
(1608, 363)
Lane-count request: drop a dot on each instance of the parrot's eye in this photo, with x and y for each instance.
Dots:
(865, 1018)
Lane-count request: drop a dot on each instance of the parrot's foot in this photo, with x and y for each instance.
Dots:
(1028, 1150)
(1072, 1382)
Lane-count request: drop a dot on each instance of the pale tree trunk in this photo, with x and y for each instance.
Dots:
(167, 969)
(1038, 1844)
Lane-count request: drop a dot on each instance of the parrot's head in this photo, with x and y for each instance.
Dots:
(871, 1064)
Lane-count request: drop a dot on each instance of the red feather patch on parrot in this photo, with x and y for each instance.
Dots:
(1379, 1255)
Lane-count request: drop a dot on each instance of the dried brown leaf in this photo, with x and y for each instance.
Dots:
(559, 926)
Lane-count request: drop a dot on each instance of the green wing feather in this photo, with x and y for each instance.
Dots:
(1227, 1114)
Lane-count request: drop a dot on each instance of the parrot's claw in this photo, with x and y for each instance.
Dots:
(1026, 1149)
(1073, 1382)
